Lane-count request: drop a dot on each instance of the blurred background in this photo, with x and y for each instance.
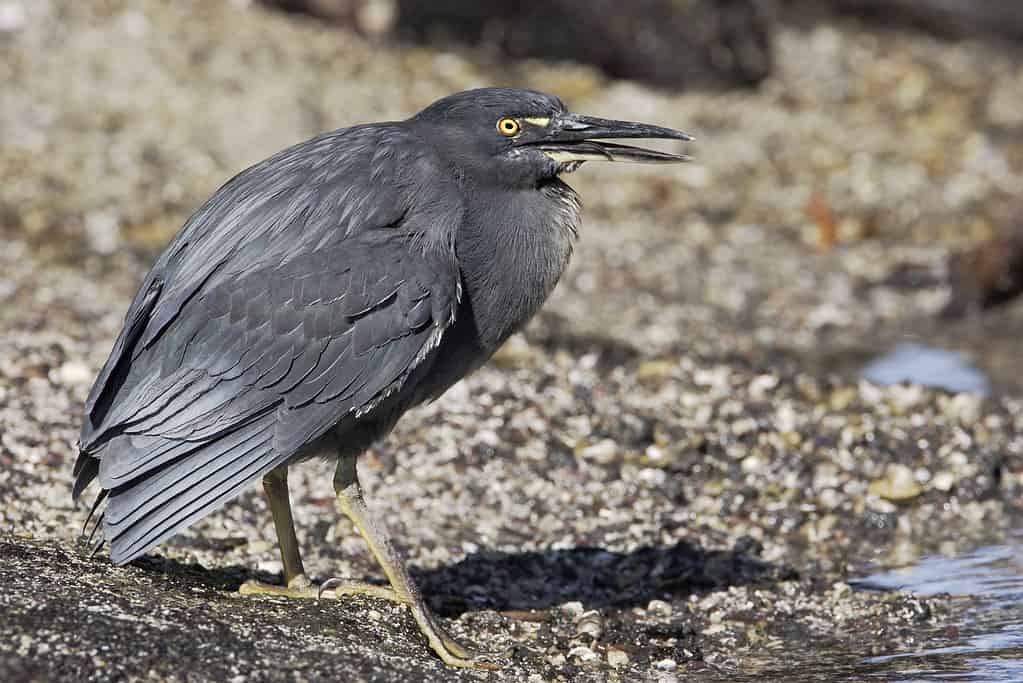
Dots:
(852, 154)
(726, 358)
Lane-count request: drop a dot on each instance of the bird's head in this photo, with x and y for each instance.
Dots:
(520, 138)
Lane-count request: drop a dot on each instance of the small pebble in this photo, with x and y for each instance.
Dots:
(943, 481)
(617, 658)
(898, 484)
(583, 654)
(761, 385)
(556, 659)
(829, 499)
(590, 624)
(964, 407)
(656, 370)
(666, 665)
(659, 608)
(259, 546)
(572, 609)
(603, 452)
(841, 590)
(73, 372)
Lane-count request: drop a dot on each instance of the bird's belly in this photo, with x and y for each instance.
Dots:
(460, 354)
(457, 356)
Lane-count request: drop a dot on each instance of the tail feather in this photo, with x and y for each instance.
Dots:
(86, 469)
(92, 511)
(130, 502)
(204, 497)
(169, 484)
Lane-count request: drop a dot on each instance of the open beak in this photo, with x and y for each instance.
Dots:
(573, 138)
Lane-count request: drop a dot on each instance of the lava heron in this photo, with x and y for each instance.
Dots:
(316, 297)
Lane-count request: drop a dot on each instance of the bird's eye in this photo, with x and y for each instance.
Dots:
(508, 127)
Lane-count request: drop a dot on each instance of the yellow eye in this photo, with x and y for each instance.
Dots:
(508, 127)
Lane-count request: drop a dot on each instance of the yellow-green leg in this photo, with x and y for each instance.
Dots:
(402, 590)
(296, 583)
(349, 494)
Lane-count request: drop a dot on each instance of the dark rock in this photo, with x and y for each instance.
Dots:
(679, 45)
(986, 276)
(952, 18)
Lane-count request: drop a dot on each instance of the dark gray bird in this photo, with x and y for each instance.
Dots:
(320, 294)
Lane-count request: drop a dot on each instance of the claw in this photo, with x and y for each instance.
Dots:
(327, 585)
(447, 648)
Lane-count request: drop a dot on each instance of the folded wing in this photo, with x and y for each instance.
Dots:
(308, 289)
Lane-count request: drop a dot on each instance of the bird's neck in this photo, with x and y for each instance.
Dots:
(512, 250)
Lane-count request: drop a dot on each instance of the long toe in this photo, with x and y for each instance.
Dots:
(454, 653)
(450, 650)
(298, 587)
(491, 660)
(338, 588)
(455, 647)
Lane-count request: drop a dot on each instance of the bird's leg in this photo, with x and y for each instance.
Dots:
(296, 584)
(349, 494)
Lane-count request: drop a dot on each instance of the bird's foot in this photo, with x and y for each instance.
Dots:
(302, 587)
(450, 651)
(337, 588)
(298, 587)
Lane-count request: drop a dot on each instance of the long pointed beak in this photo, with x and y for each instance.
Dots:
(572, 139)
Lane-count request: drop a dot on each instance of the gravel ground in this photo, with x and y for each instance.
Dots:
(671, 474)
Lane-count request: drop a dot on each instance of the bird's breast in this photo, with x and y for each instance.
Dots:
(512, 250)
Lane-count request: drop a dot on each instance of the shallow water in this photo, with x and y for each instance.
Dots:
(987, 643)
(927, 366)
